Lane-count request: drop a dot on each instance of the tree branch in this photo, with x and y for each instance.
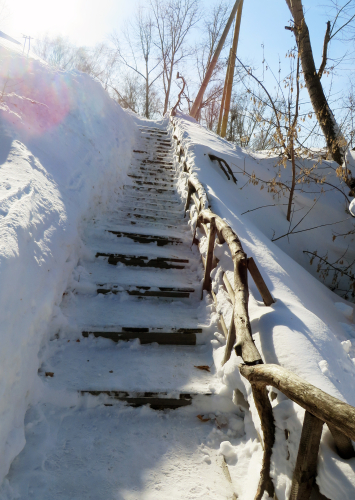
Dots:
(325, 50)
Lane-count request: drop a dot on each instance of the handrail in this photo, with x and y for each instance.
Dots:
(320, 407)
(327, 408)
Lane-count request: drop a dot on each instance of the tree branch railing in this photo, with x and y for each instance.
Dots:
(320, 407)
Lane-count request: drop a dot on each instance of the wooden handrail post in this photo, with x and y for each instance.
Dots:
(209, 257)
(230, 342)
(343, 444)
(260, 283)
(188, 199)
(306, 466)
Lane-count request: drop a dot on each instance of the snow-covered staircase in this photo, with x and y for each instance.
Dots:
(142, 284)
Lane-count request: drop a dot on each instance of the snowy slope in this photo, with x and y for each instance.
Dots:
(64, 150)
(309, 329)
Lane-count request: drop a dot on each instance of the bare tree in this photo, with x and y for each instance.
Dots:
(57, 51)
(139, 41)
(174, 20)
(335, 140)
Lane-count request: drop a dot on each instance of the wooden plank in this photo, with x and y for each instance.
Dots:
(306, 465)
(143, 261)
(260, 283)
(151, 399)
(209, 257)
(162, 338)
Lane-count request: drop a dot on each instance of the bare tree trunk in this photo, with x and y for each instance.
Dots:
(146, 89)
(167, 95)
(333, 136)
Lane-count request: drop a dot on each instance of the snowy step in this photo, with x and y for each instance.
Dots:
(147, 190)
(162, 163)
(116, 311)
(144, 261)
(154, 226)
(153, 171)
(152, 216)
(96, 364)
(118, 452)
(152, 177)
(142, 291)
(131, 277)
(156, 400)
(153, 208)
(153, 200)
(153, 131)
(160, 184)
(149, 335)
(144, 238)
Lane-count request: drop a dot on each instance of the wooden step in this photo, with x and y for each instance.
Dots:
(155, 171)
(149, 336)
(150, 189)
(154, 183)
(153, 131)
(146, 239)
(156, 400)
(146, 291)
(171, 204)
(152, 176)
(161, 163)
(144, 261)
(154, 210)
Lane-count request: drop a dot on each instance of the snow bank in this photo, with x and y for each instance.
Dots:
(304, 330)
(65, 147)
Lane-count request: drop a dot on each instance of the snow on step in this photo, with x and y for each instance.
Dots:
(96, 272)
(121, 310)
(99, 364)
(149, 335)
(118, 453)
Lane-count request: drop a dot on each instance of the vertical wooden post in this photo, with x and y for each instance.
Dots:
(209, 257)
(230, 73)
(230, 342)
(197, 103)
(223, 97)
(260, 283)
(306, 465)
(343, 444)
(188, 199)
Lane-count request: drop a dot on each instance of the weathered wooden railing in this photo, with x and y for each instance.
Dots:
(320, 407)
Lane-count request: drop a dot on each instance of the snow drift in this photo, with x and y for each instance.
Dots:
(65, 146)
(309, 330)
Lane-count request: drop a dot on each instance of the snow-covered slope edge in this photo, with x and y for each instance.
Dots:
(64, 150)
(303, 331)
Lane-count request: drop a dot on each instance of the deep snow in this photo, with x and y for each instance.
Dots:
(309, 330)
(65, 148)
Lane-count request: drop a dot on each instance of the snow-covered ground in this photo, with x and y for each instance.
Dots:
(65, 151)
(309, 330)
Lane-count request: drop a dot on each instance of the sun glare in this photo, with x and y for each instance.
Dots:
(85, 22)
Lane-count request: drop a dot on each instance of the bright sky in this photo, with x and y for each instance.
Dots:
(87, 22)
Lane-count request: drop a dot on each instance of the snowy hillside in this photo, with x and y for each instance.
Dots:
(309, 330)
(65, 147)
